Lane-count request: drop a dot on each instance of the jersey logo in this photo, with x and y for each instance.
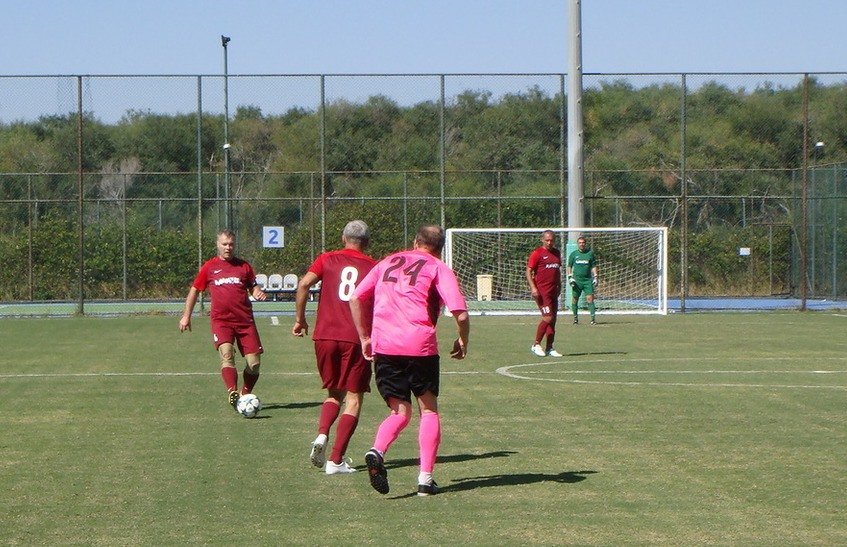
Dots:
(228, 281)
(217, 271)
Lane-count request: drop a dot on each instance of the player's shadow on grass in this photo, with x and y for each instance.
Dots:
(310, 404)
(518, 479)
(588, 353)
(449, 459)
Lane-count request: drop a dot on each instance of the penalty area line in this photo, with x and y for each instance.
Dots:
(688, 372)
(507, 371)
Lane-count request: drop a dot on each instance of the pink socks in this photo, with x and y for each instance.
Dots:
(429, 437)
(389, 430)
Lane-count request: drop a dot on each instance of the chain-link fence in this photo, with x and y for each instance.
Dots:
(112, 187)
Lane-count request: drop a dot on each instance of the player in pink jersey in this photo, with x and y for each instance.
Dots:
(229, 280)
(397, 331)
(544, 276)
(345, 373)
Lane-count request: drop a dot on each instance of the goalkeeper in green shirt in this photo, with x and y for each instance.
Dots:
(582, 276)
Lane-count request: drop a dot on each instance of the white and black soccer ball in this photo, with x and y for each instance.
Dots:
(248, 405)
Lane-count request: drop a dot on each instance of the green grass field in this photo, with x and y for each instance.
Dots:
(676, 430)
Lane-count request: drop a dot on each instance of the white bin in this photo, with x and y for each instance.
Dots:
(484, 287)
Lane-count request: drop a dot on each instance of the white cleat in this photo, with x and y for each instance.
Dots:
(333, 468)
(317, 456)
(536, 349)
(554, 353)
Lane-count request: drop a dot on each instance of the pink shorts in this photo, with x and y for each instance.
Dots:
(342, 366)
(245, 335)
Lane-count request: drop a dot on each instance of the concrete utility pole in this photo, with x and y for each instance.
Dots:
(576, 213)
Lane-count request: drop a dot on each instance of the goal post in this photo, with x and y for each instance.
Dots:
(490, 264)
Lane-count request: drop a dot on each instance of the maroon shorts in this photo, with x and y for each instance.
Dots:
(342, 366)
(245, 335)
(548, 304)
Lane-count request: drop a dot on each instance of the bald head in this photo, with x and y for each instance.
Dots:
(430, 237)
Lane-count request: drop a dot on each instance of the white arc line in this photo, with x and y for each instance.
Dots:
(508, 372)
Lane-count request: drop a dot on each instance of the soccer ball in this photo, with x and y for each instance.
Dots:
(248, 405)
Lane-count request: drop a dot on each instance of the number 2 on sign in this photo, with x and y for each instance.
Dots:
(412, 271)
(273, 236)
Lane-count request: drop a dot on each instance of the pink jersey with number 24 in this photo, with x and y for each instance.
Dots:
(409, 289)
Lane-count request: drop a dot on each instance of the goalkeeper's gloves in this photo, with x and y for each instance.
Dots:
(571, 281)
(594, 281)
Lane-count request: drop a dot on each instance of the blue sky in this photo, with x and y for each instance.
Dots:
(418, 36)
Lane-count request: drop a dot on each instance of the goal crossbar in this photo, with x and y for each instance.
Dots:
(490, 264)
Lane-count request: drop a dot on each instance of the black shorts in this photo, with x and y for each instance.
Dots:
(400, 376)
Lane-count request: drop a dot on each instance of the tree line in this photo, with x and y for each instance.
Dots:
(737, 143)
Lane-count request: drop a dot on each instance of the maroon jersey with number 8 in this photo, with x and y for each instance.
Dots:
(339, 271)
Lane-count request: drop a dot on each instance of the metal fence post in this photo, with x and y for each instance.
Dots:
(834, 235)
(323, 162)
(442, 145)
(80, 308)
(405, 206)
(563, 151)
(29, 214)
(683, 185)
(804, 200)
(124, 236)
(199, 146)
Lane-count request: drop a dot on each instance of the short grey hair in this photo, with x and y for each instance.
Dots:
(356, 231)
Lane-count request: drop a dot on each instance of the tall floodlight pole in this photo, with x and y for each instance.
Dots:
(227, 201)
(576, 214)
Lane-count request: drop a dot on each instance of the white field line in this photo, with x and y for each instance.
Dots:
(165, 374)
(511, 372)
(102, 374)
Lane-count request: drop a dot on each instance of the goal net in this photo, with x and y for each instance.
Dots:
(490, 264)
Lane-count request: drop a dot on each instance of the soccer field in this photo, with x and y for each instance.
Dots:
(680, 429)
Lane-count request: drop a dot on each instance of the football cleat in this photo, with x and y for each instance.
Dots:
(317, 456)
(333, 468)
(553, 353)
(576, 321)
(593, 322)
(536, 349)
(376, 471)
(232, 397)
(429, 489)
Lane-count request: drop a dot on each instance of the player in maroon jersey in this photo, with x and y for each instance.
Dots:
(543, 274)
(229, 280)
(345, 373)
